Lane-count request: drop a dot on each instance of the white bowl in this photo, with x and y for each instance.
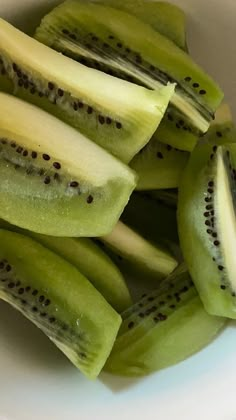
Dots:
(38, 383)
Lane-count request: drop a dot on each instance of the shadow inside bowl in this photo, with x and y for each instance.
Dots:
(19, 334)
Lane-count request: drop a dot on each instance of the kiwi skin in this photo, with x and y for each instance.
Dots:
(58, 299)
(90, 260)
(173, 326)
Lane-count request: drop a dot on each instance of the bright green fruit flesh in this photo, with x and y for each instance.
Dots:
(119, 43)
(119, 116)
(59, 300)
(164, 17)
(159, 166)
(139, 252)
(90, 260)
(207, 225)
(52, 179)
(162, 329)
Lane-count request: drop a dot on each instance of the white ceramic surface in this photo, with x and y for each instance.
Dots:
(36, 380)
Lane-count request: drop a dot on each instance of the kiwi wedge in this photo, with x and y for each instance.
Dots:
(90, 260)
(151, 218)
(119, 116)
(53, 180)
(59, 300)
(103, 37)
(164, 17)
(138, 253)
(207, 225)
(163, 328)
(159, 166)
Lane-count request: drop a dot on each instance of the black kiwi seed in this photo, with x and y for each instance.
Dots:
(74, 184)
(47, 180)
(32, 90)
(2, 265)
(21, 291)
(223, 287)
(90, 199)
(214, 234)
(34, 155)
(214, 148)
(8, 268)
(188, 79)
(210, 184)
(47, 302)
(210, 190)
(11, 285)
(52, 320)
(51, 86)
(119, 45)
(19, 149)
(162, 317)
(75, 106)
(46, 157)
(207, 223)
(13, 145)
(101, 119)
(209, 231)
(216, 243)
(131, 325)
(65, 31)
(202, 92)
(206, 214)
(118, 125)
(195, 85)
(108, 120)
(89, 110)
(209, 207)
(220, 267)
(18, 283)
(57, 165)
(160, 155)
(35, 292)
(219, 134)
(3, 141)
(25, 153)
(34, 309)
(28, 288)
(41, 298)
(208, 199)
(80, 104)
(60, 92)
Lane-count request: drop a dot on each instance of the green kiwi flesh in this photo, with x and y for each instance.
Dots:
(53, 180)
(103, 37)
(207, 225)
(151, 218)
(57, 298)
(90, 260)
(166, 18)
(119, 116)
(162, 329)
(159, 166)
(145, 257)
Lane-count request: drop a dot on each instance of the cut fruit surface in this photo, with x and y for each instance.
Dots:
(57, 298)
(119, 116)
(162, 329)
(90, 260)
(119, 43)
(164, 17)
(207, 225)
(53, 180)
(159, 166)
(138, 252)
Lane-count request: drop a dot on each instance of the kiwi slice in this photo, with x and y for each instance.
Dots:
(166, 18)
(90, 260)
(53, 180)
(222, 129)
(117, 115)
(103, 37)
(137, 252)
(207, 226)
(159, 166)
(162, 329)
(151, 218)
(57, 298)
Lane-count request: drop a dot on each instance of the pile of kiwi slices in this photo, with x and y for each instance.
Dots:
(117, 186)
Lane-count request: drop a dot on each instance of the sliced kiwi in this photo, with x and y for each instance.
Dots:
(139, 253)
(57, 298)
(162, 329)
(52, 179)
(103, 37)
(166, 18)
(207, 225)
(118, 115)
(90, 260)
(159, 166)
(152, 218)
(222, 129)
